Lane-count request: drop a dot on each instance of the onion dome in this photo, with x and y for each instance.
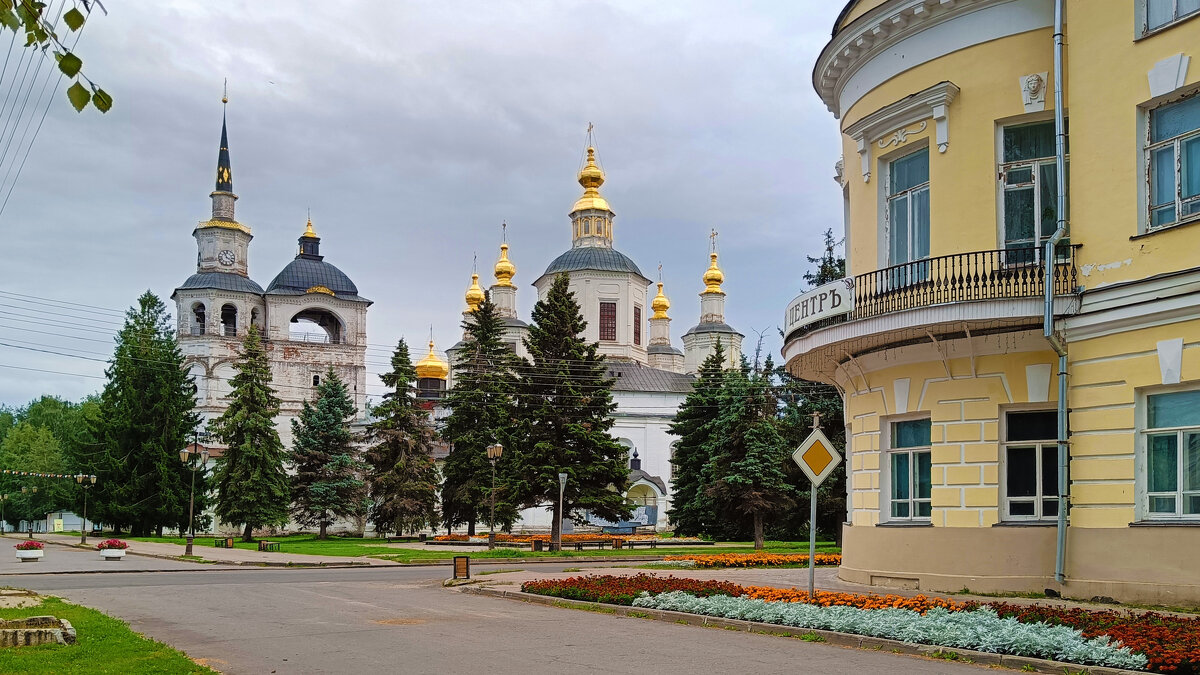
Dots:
(505, 270)
(432, 366)
(475, 296)
(591, 177)
(660, 304)
(713, 277)
(309, 273)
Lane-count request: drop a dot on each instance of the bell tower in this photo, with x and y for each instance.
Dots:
(223, 244)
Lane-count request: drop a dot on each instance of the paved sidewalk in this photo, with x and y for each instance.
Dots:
(231, 556)
(58, 559)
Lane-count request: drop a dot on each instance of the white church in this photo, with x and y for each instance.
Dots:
(653, 376)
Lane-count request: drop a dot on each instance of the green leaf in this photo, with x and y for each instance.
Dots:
(79, 96)
(74, 19)
(9, 19)
(102, 100)
(70, 64)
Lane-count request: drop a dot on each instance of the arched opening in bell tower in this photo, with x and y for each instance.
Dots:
(229, 317)
(316, 325)
(198, 319)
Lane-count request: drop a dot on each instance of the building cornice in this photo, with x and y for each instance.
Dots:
(885, 26)
(894, 119)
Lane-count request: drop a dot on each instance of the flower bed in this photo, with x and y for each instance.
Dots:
(1171, 643)
(29, 545)
(757, 559)
(621, 590)
(916, 603)
(980, 629)
(114, 544)
(566, 538)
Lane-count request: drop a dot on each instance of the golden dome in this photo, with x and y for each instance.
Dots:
(475, 294)
(591, 178)
(308, 230)
(505, 270)
(432, 366)
(660, 304)
(713, 277)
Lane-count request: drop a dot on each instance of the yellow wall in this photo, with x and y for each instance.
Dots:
(861, 8)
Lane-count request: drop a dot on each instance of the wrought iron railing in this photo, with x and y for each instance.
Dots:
(961, 277)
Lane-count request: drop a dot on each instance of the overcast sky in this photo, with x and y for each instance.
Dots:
(412, 130)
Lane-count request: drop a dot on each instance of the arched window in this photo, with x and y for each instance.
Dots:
(316, 380)
(229, 320)
(316, 325)
(254, 320)
(198, 318)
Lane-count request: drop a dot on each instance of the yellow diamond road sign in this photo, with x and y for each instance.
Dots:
(816, 457)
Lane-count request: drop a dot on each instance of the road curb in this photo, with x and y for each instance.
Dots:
(829, 637)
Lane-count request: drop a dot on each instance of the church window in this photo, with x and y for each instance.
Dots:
(316, 380)
(608, 321)
(198, 318)
(637, 325)
(587, 225)
(229, 320)
(254, 319)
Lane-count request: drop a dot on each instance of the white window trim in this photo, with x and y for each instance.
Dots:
(885, 470)
(1141, 28)
(1043, 445)
(1003, 167)
(894, 119)
(884, 248)
(1146, 217)
(1142, 458)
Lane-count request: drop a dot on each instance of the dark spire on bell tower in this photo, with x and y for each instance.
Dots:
(224, 172)
(310, 243)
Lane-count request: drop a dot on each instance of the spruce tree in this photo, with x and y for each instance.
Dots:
(748, 453)
(565, 413)
(403, 477)
(481, 405)
(691, 511)
(252, 486)
(146, 416)
(326, 485)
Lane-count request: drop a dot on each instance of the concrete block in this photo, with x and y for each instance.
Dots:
(962, 475)
(1089, 468)
(1102, 493)
(945, 497)
(963, 432)
(943, 453)
(991, 474)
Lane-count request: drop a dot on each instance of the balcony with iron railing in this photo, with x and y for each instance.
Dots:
(984, 290)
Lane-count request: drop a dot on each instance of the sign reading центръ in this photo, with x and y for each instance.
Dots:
(835, 297)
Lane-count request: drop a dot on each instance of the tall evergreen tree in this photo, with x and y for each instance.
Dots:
(326, 485)
(403, 477)
(565, 413)
(481, 413)
(146, 415)
(691, 511)
(252, 486)
(748, 454)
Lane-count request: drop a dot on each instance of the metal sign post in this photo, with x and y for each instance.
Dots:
(817, 459)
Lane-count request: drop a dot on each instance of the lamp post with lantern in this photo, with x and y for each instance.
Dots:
(86, 482)
(493, 454)
(193, 451)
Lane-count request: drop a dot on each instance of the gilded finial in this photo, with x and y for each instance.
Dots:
(713, 277)
(505, 270)
(475, 296)
(225, 92)
(308, 228)
(660, 304)
(432, 366)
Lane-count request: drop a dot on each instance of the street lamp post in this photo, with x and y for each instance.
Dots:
(3, 521)
(562, 486)
(31, 491)
(187, 454)
(86, 482)
(493, 453)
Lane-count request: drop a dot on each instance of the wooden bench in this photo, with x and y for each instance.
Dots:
(268, 546)
(223, 542)
(598, 543)
(633, 543)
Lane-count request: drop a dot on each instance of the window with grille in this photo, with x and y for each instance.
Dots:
(608, 321)
(637, 325)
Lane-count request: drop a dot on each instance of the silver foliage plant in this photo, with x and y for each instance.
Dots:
(981, 629)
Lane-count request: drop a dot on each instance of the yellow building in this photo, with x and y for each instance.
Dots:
(938, 338)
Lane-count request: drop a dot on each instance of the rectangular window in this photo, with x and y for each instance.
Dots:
(1172, 456)
(608, 321)
(1029, 186)
(1173, 163)
(909, 468)
(1031, 465)
(637, 325)
(1159, 13)
(907, 217)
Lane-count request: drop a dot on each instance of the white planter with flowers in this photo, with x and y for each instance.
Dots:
(112, 553)
(31, 555)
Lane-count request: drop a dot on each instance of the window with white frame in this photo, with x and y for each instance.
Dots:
(1172, 455)
(1173, 162)
(1029, 186)
(1159, 13)
(909, 470)
(907, 216)
(1030, 465)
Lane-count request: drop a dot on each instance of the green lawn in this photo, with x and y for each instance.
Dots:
(343, 546)
(106, 645)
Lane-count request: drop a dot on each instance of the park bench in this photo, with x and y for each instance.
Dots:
(633, 543)
(598, 543)
(268, 546)
(223, 542)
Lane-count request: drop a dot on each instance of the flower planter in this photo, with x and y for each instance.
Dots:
(112, 553)
(32, 555)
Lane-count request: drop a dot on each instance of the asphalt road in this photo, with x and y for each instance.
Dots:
(401, 620)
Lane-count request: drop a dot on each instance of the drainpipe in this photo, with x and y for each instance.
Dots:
(1059, 346)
